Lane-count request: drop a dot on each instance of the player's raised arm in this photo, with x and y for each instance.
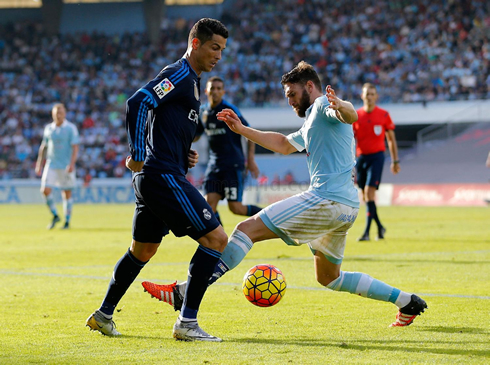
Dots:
(344, 109)
(273, 141)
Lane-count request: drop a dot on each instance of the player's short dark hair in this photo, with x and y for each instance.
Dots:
(369, 85)
(301, 74)
(216, 78)
(205, 28)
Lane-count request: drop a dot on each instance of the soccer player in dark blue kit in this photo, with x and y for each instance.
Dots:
(227, 167)
(161, 153)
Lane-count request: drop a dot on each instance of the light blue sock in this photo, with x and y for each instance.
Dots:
(239, 244)
(67, 208)
(50, 204)
(368, 287)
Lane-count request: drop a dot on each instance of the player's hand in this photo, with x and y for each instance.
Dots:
(231, 119)
(135, 166)
(38, 170)
(193, 158)
(69, 168)
(253, 168)
(395, 168)
(334, 101)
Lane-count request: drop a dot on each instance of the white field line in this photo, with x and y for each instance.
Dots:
(107, 278)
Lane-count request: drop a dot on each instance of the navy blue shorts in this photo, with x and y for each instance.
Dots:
(227, 183)
(169, 202)
(369, 169)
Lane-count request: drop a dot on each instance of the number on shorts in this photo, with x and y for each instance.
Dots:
(231, 193)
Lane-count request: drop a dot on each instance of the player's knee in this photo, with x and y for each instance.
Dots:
(144, 251)
(246, 226)
(216, 240)
(222, 241)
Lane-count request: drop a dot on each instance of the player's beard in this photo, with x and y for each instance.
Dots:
(304, 104)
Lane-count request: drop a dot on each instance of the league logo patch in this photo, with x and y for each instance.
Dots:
(207, 215)
(378, 130)
(163, 88)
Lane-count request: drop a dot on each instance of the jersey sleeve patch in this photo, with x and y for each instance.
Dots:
(163, 88)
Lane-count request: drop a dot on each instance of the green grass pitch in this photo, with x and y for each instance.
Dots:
(51, 281)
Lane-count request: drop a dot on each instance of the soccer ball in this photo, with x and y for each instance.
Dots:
(264, 285)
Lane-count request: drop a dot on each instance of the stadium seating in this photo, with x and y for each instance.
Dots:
(413, 50)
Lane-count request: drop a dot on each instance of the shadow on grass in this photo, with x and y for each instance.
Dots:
(403, 262)
(474, 330)
(388, 345)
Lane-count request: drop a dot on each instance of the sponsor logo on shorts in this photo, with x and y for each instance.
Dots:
(206, 214)
(163, 88)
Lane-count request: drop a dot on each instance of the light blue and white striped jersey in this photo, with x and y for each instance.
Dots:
(60, 141)
(330, 151)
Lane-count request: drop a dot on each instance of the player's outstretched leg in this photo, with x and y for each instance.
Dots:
(98, 322)
(364, 285)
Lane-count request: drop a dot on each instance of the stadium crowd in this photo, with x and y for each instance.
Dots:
(414, 51)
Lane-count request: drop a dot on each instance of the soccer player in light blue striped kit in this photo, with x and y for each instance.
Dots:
(321, 216)
(59, 148)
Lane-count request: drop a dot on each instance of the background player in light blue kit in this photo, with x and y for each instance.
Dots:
(59, 149)
(322, 215)
(227, 166)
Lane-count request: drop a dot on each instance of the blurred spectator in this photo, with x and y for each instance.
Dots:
(276, 180)
(289, 179)
(263, 180)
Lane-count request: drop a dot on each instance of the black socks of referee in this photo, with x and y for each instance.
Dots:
(125, 271)
(372, 213)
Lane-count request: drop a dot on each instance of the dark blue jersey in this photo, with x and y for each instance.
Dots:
(164, 141)
(225, 146)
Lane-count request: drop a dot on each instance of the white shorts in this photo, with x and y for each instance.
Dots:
(58, 178)
(311, 219)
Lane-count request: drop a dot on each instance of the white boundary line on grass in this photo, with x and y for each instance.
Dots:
(14, 273)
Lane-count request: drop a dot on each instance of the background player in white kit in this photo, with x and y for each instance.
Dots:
(59, 149)
(320, 216)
